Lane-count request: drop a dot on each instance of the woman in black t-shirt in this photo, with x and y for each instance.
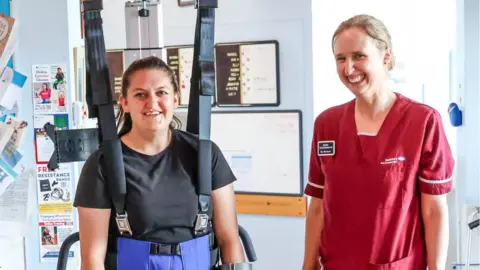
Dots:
(161, 173)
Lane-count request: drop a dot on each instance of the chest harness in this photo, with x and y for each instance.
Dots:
(200, 253)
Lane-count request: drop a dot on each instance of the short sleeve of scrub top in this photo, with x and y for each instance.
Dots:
(436, 161)
(316, 178)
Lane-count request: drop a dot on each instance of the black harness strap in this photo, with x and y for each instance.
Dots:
(199, 109)
(78, 144)
(100, 98)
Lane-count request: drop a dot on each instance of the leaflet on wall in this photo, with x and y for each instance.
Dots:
(17, 204)
(54, 189)
(7, 176)
(49, 89)
(6, 132)
(55, 209)
(11, 84)
(8, 112)
(53, 230)
(19, 130)
(44, 147)
(11, 155)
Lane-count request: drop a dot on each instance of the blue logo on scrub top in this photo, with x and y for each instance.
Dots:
(401, 158)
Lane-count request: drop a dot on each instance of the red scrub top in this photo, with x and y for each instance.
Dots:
(371, 184)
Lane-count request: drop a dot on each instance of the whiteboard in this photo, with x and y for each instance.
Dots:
(263, 148)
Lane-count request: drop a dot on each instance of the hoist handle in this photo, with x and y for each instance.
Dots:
(65, 250)
(247, 244)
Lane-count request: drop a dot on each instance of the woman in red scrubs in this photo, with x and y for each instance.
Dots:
(380, 167)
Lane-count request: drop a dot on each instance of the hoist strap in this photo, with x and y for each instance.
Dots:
(100, 102)
(199, 109)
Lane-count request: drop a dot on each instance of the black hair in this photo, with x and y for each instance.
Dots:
(151, 62)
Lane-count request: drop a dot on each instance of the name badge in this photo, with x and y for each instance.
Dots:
(326, 148)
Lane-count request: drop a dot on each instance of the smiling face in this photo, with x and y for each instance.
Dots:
(361, 64)
(151, 100)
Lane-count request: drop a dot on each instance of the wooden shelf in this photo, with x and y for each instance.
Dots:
(271, 205)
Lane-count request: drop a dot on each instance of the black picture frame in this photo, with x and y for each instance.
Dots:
(218, 70)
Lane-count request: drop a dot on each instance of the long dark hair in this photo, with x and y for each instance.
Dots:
(151, 62)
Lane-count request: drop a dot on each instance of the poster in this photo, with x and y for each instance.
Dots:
(49, 89)
(54, 188)
(53, 230)
(55, 208)
(44, 146)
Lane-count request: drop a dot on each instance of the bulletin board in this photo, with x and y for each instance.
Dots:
(180, 60)
(247, 74)
(263, 148)
(116, 67)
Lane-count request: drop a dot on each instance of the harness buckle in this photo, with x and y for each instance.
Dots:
(201, 224)
(123, 224)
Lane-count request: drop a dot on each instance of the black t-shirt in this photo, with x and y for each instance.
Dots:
(162, 200)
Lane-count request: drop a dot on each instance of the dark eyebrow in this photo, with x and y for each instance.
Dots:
(162, 87)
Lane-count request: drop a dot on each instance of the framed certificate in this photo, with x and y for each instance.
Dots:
(247, 74)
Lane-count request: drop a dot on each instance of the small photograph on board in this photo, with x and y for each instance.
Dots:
(58, 77)
(49, 235)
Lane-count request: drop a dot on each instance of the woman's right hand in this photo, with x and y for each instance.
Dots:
(314, 227)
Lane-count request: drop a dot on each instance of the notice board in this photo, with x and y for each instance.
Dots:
(263, 148)
(247, 74)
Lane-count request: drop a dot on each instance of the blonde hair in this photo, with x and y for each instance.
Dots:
(374, 28)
